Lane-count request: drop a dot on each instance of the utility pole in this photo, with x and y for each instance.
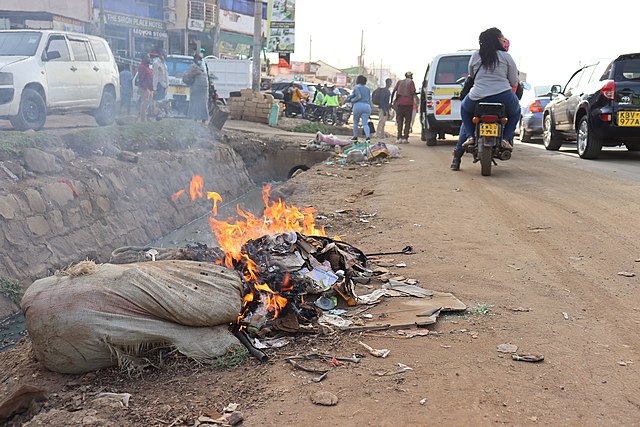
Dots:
(309, 49)
(216, 30)
(361, 64)
(257, 44)
(102, 19)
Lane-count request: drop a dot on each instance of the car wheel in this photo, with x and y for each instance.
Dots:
(551, 141)
(589, 145)
(632, 147)
(524, 135)
(32, 113)
(106, 112)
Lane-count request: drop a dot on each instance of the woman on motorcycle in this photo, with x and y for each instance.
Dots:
(495, 74)
(360, 98)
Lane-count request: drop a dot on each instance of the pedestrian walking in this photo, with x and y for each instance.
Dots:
(198, 84)
(360, 98)
(145, 86)
(403, 98)
(384, 104)
(126, 89)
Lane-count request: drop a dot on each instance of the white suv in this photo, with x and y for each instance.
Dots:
(47, 72)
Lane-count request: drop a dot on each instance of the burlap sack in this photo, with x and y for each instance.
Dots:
(79, 323)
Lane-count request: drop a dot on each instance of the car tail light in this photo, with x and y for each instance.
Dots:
(609, 89)
(536, 107)
(605, 117)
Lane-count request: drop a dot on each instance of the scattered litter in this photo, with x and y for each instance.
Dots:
(514, 267)
(445, 346)
(320, 378)
(410, 333)
(533, 358)
(410, 290)
(565, 315)
(374, 352)
(300, 367)
(521, 309)
(324, 398)
(231, 407)
(537, 229)
(402, 368)
(507, 348)
(401, 265)
(326, 303)
(121, 398)
(270, 343)
(423, 401)
(626, 274)
(330, 320)
(624, 362)
(638, 260)
(337, 311)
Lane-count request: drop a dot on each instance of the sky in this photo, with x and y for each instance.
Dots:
(549, 39)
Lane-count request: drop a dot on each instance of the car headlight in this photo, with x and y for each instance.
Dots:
(6, 78)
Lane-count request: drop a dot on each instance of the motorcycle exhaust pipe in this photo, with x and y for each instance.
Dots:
(505, 155)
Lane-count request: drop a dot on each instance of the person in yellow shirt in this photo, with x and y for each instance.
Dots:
(296, 98)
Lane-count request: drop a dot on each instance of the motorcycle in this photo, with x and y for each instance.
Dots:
(292, 110)
(314, 113)
(490, 119)
(337, 115)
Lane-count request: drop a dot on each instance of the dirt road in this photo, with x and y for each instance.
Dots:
(535, 251)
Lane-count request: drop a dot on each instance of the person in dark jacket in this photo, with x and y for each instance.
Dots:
(384, 105)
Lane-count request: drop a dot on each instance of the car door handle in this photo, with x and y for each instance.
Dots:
(73, 68)
(96, 68)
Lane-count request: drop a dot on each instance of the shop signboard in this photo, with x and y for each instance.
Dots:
(282, 31)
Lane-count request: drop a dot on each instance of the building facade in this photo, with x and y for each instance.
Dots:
(66, 15)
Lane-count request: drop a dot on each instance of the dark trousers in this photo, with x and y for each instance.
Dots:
(125, 102)
(403, 120)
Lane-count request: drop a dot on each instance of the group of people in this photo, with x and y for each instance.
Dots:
(402, 99)
(495, 80)
(152, 80)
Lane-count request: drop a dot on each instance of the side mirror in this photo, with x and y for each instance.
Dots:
(461, 80)
(526, 85)
(51, 55)
(556, 89)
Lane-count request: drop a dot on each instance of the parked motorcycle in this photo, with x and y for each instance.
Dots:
(490, 119)
(337, 115)
(314, 113)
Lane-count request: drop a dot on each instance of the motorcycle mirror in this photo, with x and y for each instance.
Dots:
(526, 85)
(461, 80)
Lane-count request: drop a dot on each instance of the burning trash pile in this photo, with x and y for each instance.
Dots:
(271, 274)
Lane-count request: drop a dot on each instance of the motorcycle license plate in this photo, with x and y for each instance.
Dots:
(629, 118)
(178, 90)
(488, 129)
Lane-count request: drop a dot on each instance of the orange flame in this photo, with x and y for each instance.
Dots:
(177, 195)
(277, 217)
(211, 195)
(195, 189)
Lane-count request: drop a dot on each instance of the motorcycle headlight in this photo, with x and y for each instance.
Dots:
(6, 78)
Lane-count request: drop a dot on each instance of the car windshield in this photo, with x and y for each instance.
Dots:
(176, 67)
(19, 43)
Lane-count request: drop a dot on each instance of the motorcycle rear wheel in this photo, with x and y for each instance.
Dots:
(485, 159)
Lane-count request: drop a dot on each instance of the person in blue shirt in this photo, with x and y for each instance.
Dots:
(360, 98)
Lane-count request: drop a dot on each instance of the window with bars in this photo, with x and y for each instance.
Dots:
(201, 10)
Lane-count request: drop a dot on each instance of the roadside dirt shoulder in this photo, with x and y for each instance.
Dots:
(538, 269)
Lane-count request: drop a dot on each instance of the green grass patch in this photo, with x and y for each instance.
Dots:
(13, 142)
(311, 127)
(482, 310)
(12, 289)
(168, 134)
(232, 359)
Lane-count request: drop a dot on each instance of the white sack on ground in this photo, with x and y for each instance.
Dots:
(183, 304)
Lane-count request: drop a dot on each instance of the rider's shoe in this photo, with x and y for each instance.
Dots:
(507, 145)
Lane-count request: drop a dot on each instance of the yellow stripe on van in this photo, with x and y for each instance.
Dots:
(444, 91)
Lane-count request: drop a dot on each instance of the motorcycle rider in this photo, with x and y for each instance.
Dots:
(497, 74)
(458, 152)
(296, 98)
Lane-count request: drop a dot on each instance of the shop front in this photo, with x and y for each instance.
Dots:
(131, 36)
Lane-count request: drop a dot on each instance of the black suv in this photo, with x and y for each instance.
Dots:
(599, 107)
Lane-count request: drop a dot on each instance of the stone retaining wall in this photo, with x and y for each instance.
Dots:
(65, 207)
